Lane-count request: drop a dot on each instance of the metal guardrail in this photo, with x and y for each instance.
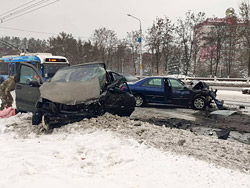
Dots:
(217, 79)
(227, 82)
(210, 79)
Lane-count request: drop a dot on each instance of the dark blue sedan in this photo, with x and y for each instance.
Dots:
(167, 90)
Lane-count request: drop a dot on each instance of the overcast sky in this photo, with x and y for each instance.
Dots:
(81, 17)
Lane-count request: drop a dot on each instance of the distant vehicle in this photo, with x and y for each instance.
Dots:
(75, 92)
(168, 90)
(45, 63)
(129, 78)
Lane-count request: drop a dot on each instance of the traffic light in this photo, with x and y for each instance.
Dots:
(229, 21)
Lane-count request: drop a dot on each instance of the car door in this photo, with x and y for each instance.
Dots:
(180, 94)
(27, 93)
(153, 90)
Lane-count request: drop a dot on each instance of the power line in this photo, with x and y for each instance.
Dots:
(40, 32)
(18, 11)
(17, 8)
(30, 11)
(28, 30)
(23, 9)
(10, 45)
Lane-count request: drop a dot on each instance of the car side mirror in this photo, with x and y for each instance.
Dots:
(34, 84)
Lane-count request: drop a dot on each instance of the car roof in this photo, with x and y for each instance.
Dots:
(85, 64)
(160, 77)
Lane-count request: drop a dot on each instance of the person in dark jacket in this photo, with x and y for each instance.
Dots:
(5, 88)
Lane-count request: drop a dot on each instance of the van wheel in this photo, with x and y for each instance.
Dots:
(37, 117)
(45, 123)
(199, 103)
(139, 100)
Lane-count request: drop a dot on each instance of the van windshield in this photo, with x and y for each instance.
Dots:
(80, 74)
(51, 68)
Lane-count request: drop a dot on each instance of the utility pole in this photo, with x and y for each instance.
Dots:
(140, 41)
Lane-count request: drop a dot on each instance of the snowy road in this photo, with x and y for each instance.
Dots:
(234, 99)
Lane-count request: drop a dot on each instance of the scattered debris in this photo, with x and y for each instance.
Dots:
(223, 112)
(223, 134)
(245, 90)
(242, 107)
(210, 133)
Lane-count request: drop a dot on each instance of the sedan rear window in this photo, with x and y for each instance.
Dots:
(155, 82)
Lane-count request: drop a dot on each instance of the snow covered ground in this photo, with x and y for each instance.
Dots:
(111, 151)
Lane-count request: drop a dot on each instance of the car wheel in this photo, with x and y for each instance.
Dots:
(45, 123)
(139, 100)
(199, 103)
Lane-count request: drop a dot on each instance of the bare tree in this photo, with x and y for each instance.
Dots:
(245, 33)
(153, 41)
(214, 41)
(186, 32)
(64, 44)
(159, 39)
(106, 41)
(231, 44)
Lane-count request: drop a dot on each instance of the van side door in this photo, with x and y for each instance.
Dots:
(27, 87)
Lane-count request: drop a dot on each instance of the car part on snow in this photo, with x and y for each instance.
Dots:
(223, 112)
(245, 90)
(223, 134)
(218, 103)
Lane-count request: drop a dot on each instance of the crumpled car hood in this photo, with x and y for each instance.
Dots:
(198, 85)
(71, 93)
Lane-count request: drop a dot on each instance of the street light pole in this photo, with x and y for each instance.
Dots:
(140, 41)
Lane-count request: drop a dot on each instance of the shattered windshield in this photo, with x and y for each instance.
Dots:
(80, 73)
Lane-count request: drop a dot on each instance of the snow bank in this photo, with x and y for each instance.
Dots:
(112, 151)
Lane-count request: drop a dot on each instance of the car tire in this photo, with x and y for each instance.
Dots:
(125, 112)
(139, 100)
(199, 103)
